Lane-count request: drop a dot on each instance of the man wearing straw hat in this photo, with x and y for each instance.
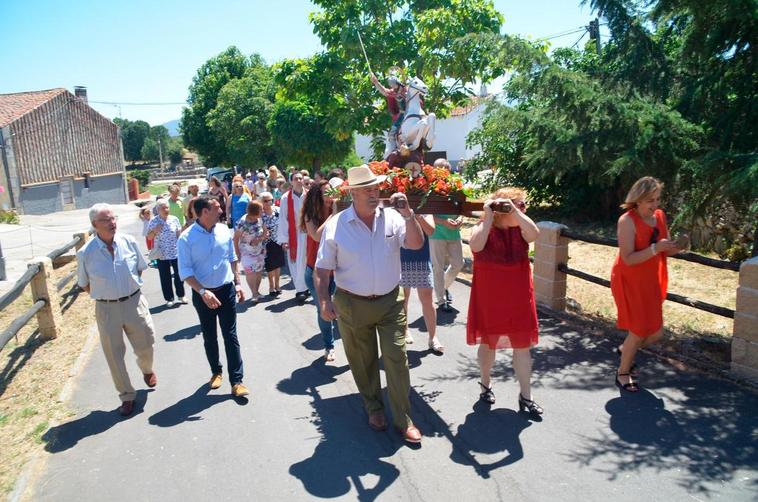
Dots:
(361, 245)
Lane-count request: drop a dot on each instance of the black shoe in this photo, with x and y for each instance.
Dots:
(448, 296)
(487, 396)
(307, 293)
(300, 297)
(445, 307)
(278, 293)
(530, 406)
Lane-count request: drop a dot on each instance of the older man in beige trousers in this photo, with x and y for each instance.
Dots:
(110, 270)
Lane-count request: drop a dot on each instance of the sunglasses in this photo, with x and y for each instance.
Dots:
(267, 200)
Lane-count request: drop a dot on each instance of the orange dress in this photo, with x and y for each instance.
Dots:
(639, 290)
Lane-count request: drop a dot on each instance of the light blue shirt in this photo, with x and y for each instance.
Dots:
(207, 256)
(111, 277)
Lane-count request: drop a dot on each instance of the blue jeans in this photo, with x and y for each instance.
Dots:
(227, 319)
(326, 327)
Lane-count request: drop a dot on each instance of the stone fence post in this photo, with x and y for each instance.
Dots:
(550, 249)
(49, 317)
(745, 333)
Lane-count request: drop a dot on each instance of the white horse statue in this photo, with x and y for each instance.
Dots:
(417, 130)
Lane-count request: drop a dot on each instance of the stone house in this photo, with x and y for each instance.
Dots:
(57, 153)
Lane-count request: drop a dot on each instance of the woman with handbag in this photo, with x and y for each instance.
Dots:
(165, 230)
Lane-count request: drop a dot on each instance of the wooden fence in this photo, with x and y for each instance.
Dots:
(551, 270)
(46, 306)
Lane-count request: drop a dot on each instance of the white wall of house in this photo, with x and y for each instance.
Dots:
(451, 137)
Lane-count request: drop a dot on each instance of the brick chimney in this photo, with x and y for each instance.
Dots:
(80, 92)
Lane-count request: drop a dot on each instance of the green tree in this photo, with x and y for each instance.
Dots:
(133, 136)
(174, 151)
(239, 119)
(150, 150)
(211, 77)
(300, 135)
(441, 42)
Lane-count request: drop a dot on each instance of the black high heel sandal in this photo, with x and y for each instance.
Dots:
(530, 406)
(629, 386)
(487, 396)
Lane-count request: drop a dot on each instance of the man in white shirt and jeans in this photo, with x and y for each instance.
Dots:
(362, 246)
(110, 269)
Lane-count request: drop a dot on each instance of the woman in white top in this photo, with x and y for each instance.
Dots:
(165, 230)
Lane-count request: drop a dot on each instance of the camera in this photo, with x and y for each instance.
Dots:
(399, 203)
(502, 207)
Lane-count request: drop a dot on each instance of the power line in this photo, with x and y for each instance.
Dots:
(579, 39)
(118, 103)
(563, 33)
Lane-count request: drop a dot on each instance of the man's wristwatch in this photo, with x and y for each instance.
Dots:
(201, 291)
(408, 218)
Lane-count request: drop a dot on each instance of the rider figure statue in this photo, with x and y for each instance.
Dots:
(395, 97)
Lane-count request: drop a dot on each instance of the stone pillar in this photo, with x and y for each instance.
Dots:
(550, 249)
(745, 334)
(49, 317)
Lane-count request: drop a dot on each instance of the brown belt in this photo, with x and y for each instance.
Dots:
(122, 299)
(362, 297)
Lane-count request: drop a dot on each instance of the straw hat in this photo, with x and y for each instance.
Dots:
(362, 176)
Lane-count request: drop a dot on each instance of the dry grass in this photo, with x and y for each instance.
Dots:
(707, 284)
(32, 375)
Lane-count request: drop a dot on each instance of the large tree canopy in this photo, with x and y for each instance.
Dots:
(203, 96)
(437, 41)
(672, 94)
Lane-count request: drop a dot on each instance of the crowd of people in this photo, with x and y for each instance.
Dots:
(359, 265)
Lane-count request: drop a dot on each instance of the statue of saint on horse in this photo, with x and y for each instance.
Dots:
(412, 129)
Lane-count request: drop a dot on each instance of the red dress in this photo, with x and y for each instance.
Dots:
(501, 310)
(639, 290)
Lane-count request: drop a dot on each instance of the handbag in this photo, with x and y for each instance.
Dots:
(155, 253)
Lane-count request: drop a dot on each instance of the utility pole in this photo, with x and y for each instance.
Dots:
(160, 152)
(594, 30)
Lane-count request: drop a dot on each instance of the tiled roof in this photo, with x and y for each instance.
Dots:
(471, 105)
(13, 106)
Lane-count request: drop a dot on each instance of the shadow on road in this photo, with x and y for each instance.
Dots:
(189, 408)
(708, 437)
(187, 333)
(489, 432)
(337, 465)
(62, 437)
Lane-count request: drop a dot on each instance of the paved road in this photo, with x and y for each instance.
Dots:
(303, 433)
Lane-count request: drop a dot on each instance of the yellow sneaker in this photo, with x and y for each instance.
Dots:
(239, 390)
(216, 381)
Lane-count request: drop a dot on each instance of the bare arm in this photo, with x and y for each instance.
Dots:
(529, 230)
(625, 230)
(236, 241)
(426, 221)
(379, 87)
(328, 310)
(482, 229)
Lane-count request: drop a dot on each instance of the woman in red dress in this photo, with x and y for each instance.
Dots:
(502, 312)
(639, 277)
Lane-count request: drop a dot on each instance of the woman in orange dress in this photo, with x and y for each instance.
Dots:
(639, 277)
(502, 312)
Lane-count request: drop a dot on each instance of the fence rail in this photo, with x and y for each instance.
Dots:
(44, 294)
(681, 299)
(687, 256)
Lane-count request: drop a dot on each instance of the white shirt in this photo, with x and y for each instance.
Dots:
(366, 261)
(282, 233)
(110, 277)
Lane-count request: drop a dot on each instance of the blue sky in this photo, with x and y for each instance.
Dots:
(148, 51)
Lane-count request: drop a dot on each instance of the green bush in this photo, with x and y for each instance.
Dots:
(141, 175)
(9, 217)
